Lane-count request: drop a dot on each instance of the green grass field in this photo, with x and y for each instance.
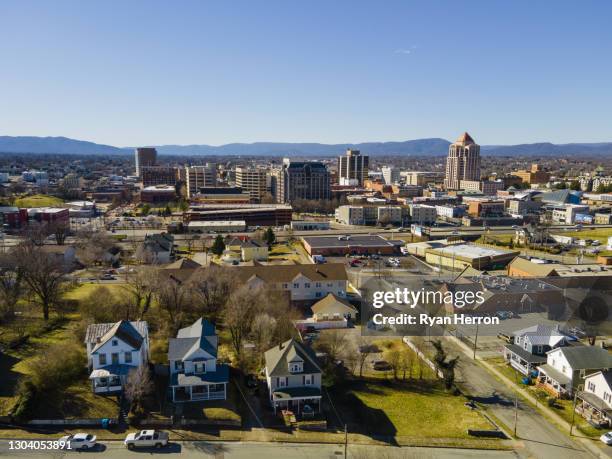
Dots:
(418, 408)
(39, 200)
(84, 290)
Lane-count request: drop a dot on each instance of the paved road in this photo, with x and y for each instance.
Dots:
(538, 437)
(227, 450)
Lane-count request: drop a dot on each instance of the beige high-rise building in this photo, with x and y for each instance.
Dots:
(252, 180)
(197, 177)
(463, 162)
(353, 168)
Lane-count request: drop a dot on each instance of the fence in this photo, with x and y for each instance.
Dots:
(422, 356)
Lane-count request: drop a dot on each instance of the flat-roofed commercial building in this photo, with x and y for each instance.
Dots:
(347, 245)
(158, 175)
(461, 256)
(227, 226)
(221, 195)
(158, 194)
(252, 214)
(253, 180)
(197, 177)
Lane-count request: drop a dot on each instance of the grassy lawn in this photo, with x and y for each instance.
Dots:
(418, 408)
(78, 401)
(218, 410)
(14, 362)
(85, 289)
(39, 200)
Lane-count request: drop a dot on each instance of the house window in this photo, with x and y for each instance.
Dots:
(285, 286)
(282, 382)
(115, 358)
(115, 342)
(607, 397)
(178, 365)
(128, 357)
(318, 284)
(307, 285)
(308, 380)
(199, 367)
(295, 367)
(296, 285)
(318, 294)
(102, 359)
(591, 386)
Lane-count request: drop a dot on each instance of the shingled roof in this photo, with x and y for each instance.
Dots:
(131, 333)
(278, 358)
(199, 335)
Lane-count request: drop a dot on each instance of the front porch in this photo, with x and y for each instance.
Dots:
(109, 379)
(188, 387)
(553, 381)
(199, 392)
(593, 409)
(300, 400)
(521, 360)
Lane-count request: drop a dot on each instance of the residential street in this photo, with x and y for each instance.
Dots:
(538, 438)
(223, 450)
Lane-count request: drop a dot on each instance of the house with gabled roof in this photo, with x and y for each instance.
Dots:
(594, 403)
(113, 350)
(530, 345)
(195, 374)
(293, 376)
(329, 312)
(566, 368)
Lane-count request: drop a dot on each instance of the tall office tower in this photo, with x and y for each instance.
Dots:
(301, 180)
(390, 175)
(197, 177)
(353, 168)
(145, 156)
(252, 180)
(463, 162)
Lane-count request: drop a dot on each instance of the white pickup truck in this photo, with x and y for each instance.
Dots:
(146, 439)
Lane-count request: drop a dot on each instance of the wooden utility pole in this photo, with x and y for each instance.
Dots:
(345, 441)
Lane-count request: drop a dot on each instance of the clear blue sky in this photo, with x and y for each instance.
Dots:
(150, 72)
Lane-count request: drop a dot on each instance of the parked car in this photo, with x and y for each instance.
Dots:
(146, 439)
(79, 441)
(504, 337)
(381, 365)
(606, 438)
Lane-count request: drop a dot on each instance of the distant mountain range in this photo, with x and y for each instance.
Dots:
(418, 147)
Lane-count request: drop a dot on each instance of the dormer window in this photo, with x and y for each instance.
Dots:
(295, 367)
(115, 342)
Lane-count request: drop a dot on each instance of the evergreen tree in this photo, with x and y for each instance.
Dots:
(269, 237)
(218, 246)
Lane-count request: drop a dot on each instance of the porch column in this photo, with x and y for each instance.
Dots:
(207, 391)
(173, 394)
(190, 392)
(224, 391)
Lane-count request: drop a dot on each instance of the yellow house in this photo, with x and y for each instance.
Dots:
(254, 250)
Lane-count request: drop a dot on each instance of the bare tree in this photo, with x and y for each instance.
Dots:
(212, 286)
(92, 246)
(240, 310)
(60, 230)
(138, 294)
(44, 274)
(11, 283)
(173, 297)
(406, 362)
(394, 358)
(137, 387)
(365, 350)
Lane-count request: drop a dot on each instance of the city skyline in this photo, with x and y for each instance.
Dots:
(347, 72)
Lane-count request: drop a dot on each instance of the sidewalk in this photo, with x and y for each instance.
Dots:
(558, 420)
